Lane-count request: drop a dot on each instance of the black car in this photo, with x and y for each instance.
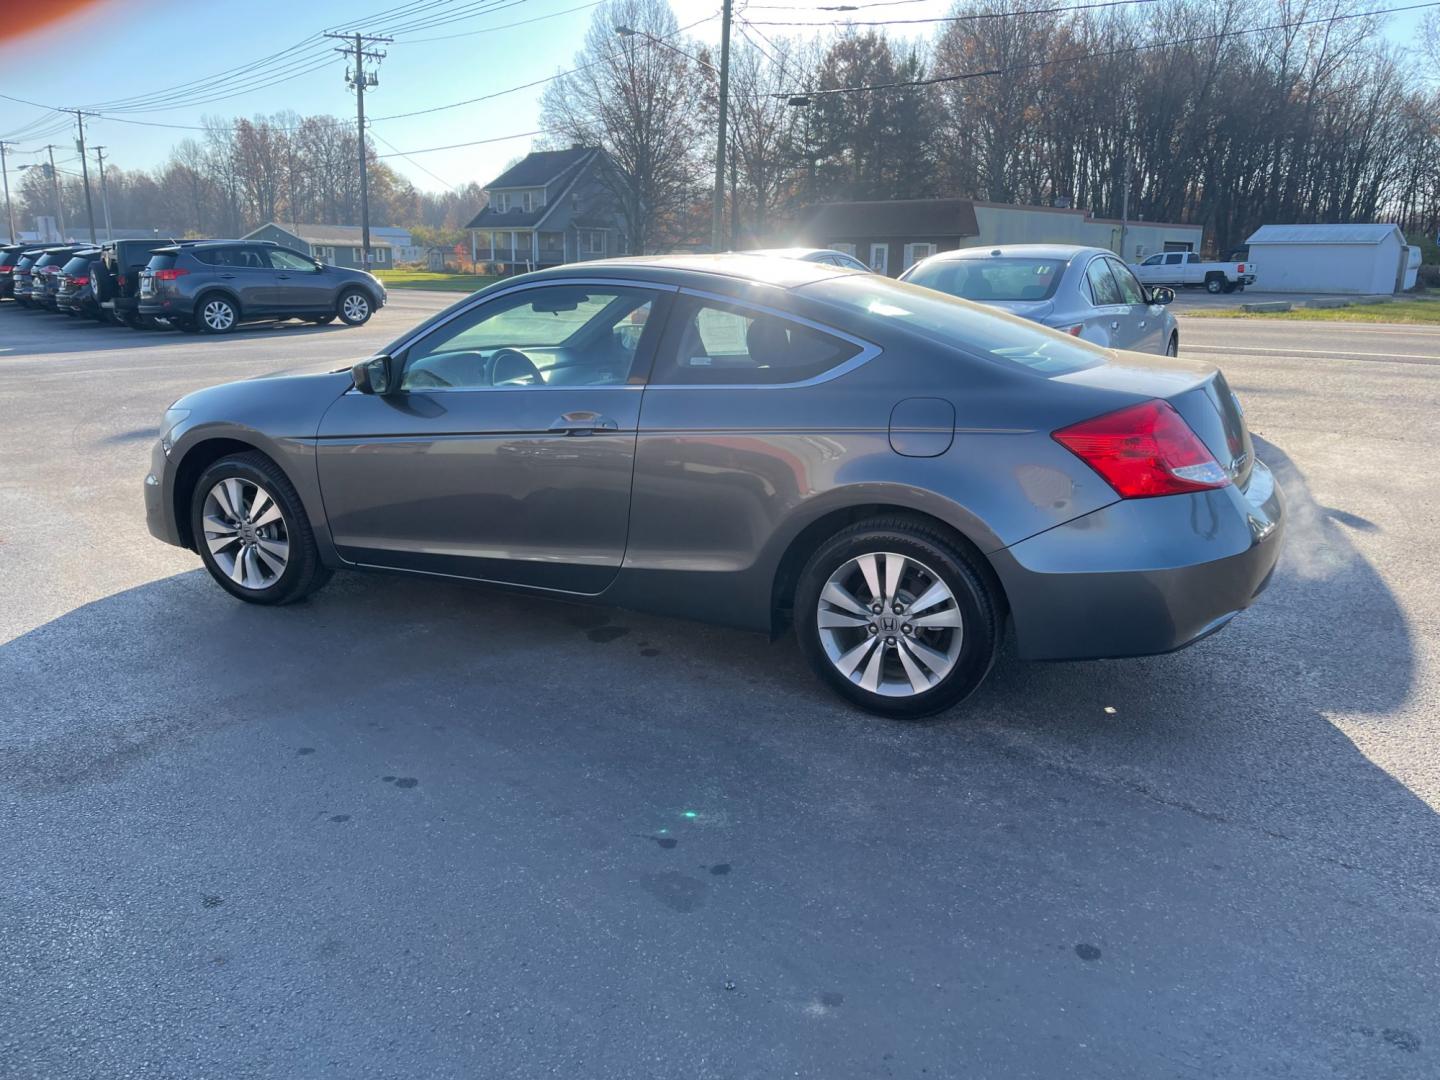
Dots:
(73, 292)
(116, 279)
(10, 255)
(213, 286)
(31, 280)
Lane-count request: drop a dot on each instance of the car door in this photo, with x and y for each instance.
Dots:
(246, 272)
(300, 284)
(1109, 323)
(1152, 269)
(507, 450)
(1146, 321)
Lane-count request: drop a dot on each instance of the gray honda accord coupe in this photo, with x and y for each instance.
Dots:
(901, 475)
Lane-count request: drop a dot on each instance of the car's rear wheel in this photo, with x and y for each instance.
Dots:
(217, 314)
(1214, 283)
(895, 618)
(354, 307)
(252, 531)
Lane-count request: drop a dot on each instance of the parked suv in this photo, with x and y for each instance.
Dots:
(116, 278)
(31, 271)
(10, 255)
(212, 286)
(73, 292)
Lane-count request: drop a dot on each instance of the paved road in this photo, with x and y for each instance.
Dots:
(412, 829)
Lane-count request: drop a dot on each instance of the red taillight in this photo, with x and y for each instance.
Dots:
(1143, 451)
(170, 275)
(6, 269)
(120, 281)
(78, 281)
(1240, 267)
(1073, 331)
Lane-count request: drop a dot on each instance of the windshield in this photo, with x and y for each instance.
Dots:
(161, 261)
(960, 323)
(992, 278)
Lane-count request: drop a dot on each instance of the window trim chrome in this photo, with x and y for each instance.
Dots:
(868, 349)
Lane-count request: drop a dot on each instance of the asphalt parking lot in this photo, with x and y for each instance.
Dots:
(416, 829)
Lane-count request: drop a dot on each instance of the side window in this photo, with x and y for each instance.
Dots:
(208, 256)
(712, 343)
(1129, 286)
(1103, 289)
(1192, 258)
(556, 335)
(1175, 258)
(1153, 260)
(281, 259)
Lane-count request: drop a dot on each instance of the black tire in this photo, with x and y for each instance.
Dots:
(323, 320)
(974, 596)
(1214, 284)
(354, 307)
(216, 313)
(1229, 287)
(303, 572)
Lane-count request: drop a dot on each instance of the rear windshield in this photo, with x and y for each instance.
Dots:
(992, 278)
(79, 266)
(161, 261)
(10, 258)
(959, 323)
(50, 258)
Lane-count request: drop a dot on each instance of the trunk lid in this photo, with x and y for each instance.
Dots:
(1198, 392)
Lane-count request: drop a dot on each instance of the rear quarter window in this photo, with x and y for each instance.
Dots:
(160, 262)
(961, 324)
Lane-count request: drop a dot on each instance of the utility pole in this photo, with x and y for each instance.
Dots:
(104, 191)
(85, 174)
(1124, 211)
(360, 80)
(717, 224)
(9, 210)
(55, 186)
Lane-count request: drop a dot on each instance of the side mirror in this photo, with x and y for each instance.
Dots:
(1162, 295)
(373, 376)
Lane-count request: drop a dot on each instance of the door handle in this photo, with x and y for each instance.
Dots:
(1115, 325)
(1142, 324)
(583, 423)
(283, 277)
(226, 277)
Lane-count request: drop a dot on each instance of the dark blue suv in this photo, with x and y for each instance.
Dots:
(214, 285)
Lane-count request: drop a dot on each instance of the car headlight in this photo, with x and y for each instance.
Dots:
(168, 424)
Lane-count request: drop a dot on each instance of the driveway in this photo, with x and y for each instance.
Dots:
(411, 828)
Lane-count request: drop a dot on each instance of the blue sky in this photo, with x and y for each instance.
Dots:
(195, 41)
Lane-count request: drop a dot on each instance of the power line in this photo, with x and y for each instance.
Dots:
(457, 146)
(407, 157)
(974, 17)
(507, 26)
(537, 82)
(805, 97)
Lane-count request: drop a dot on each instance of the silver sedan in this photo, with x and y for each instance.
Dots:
(1084, 291)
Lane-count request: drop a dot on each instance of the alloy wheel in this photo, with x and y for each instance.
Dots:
(356, 308)
(890, 624)
(218, 315)
(246, 533)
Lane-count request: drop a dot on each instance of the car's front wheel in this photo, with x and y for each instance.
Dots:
(894, 616)
(252, 531)
(354, 307)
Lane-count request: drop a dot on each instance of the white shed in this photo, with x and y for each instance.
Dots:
(1362, 259)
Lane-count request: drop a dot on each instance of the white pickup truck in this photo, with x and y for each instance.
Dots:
(1176, 268)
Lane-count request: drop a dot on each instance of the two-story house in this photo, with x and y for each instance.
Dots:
(553, 207)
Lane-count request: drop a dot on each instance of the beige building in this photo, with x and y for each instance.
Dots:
(890, 236)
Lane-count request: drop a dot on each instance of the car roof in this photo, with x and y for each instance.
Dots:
(1032, 251)
(791, 252)
(736, 267)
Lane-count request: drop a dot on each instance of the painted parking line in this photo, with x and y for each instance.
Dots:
(1329, 354)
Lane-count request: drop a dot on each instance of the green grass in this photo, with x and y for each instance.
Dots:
(431, 279)
(1419, 312)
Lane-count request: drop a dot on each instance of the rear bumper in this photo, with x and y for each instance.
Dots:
(1143, 576)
